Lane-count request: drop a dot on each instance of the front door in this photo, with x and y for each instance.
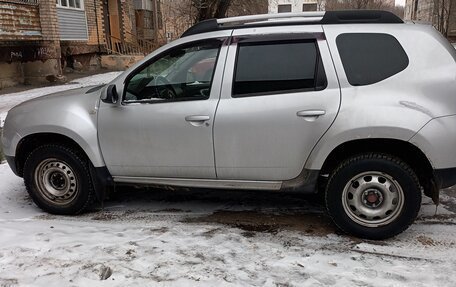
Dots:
(280, 94)
(163, 128)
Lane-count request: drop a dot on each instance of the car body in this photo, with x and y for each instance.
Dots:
(248, 103)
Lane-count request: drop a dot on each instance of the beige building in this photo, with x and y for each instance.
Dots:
(38, 38)
(284, 6)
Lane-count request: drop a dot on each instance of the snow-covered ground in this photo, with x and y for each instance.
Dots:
(213, 238)
(210, 238)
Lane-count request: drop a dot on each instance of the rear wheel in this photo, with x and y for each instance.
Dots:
(373, 196)
(58, 180)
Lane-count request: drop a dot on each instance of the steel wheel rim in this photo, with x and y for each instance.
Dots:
(56, 181)
(373, 199)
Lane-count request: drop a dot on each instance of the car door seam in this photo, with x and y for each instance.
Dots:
(228, 44)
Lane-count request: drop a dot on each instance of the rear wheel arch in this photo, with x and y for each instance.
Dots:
(404, 150)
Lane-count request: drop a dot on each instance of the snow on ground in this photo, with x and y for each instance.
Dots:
(213, 238)
(207, 238)
(10, 100)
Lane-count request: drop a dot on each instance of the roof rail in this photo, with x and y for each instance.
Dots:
(318, 17)
(255, 18)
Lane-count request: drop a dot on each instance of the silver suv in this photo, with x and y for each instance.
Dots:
(354, 104)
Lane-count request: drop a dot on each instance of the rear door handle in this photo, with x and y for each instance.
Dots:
(197, 120)
(310, 115)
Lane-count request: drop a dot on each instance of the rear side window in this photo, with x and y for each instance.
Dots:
(369, 58)
(267, 68)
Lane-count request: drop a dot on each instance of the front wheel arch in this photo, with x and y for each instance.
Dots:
(30, 142)
(101, 177)
(58, 179)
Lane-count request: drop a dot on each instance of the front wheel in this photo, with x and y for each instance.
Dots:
(373, 196)
(58, 180)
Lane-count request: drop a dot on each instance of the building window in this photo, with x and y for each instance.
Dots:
(309, 7)
(72, 20)
(73, 4)
(31, 2)
(284, 8)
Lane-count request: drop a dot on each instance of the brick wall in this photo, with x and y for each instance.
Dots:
(145, 24)
(128, 20)
(19, 21)
(49, 21)
(95, 21)
(95, 28)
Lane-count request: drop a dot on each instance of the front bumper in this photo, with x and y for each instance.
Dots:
(12, 163)
(445, 177)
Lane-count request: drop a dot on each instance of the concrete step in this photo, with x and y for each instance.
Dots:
(119, 62)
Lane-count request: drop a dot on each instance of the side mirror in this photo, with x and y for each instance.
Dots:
(111, 95)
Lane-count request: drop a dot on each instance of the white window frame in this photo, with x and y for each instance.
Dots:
(59, 5)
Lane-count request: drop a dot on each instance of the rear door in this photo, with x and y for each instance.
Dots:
(279, 96)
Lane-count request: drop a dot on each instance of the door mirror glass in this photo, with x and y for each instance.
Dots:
(183, 73)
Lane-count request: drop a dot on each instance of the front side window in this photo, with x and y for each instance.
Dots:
(266, 68)
(369, 58)
(183, 73)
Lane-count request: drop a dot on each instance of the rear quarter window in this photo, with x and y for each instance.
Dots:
(369, 58)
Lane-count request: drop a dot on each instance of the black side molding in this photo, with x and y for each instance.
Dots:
(445, 177)
(306, 182)
(101, 180)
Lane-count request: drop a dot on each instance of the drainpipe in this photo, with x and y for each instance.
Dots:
(96, 23)
(156, 21)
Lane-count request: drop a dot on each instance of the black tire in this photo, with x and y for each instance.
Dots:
(350, 181)
(55, 169)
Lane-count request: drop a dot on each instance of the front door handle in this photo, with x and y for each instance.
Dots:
(310, 115)
(197, 120)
